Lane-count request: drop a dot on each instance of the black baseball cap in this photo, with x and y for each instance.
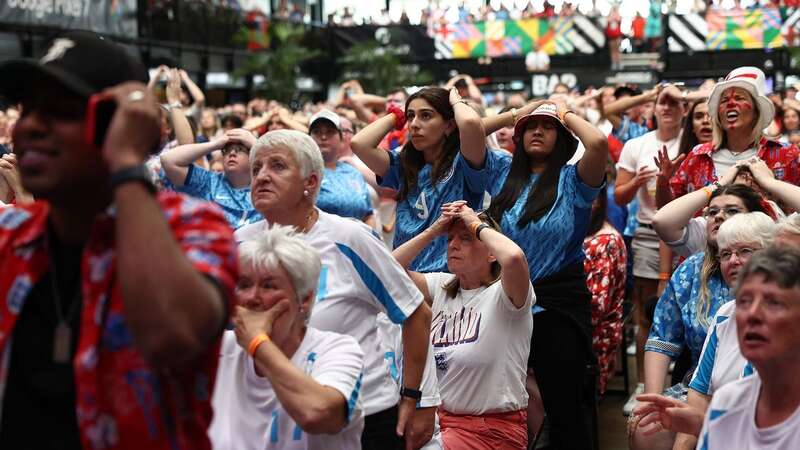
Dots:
(82, 62)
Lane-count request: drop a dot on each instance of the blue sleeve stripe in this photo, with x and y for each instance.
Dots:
(715, 414)
(322, 286)
(704, 446)
(351, 402)
(273, 432)
(374, 284)
(748, 370)
(298, 433)
(702, 381)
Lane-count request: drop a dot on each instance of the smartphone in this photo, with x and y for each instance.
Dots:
(99, 112)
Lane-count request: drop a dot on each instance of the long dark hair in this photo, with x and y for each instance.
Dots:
(542, 196)
(412, 160)
(688, 138)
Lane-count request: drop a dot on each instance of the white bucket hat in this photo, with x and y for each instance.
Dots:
(751, 79)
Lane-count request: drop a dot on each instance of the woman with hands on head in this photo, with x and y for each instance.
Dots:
(480, 330)
(545, 207)
(280, 383)
(738, 190)
(277, 118)
(229, 189)
(445, 160)
(739, 111)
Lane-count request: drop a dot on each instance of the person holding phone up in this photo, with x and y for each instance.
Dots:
(114, 296)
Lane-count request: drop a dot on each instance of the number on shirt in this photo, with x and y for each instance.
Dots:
(422, 207)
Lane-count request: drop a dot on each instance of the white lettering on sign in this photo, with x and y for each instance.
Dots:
(542, 84)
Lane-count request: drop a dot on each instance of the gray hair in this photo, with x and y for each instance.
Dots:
(718, 133)
(280, 246)
(777, 264)
(305, 151)
(746, 227)
(789, 225)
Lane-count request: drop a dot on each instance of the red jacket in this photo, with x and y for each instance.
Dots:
(697, 170)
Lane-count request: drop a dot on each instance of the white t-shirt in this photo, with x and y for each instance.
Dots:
(248, 414)
(730, 421)
(358, 280)
(481, 343)
(693, 239)
(641, 152)
(724, 159)
(721, 361)
(390, 336)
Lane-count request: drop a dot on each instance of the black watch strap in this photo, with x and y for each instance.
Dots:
(138, 174)
(480, 228)
(411, 393)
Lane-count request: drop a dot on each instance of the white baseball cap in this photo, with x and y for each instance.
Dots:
(325, 114)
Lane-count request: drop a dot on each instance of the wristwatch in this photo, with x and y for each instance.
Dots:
(171, 106)
(411, 393)
(136, 174)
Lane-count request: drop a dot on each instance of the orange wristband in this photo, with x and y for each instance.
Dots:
(474, 227)
(664, 276)
(255, 342)
(708, 192)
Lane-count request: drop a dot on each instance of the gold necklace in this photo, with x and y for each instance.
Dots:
(307, 225)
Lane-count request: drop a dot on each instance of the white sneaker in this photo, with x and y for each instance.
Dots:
(631, 403)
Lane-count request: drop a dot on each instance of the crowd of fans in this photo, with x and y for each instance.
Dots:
(437, 13)
(417, 270)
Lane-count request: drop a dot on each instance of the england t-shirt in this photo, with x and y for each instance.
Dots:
(344, 192)
(730, 421)
(481, 343)
(358, 280)
(693, 239)
(721, 361)
(248, 414)
(235, 202)
(641, 152)
(420, 209)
